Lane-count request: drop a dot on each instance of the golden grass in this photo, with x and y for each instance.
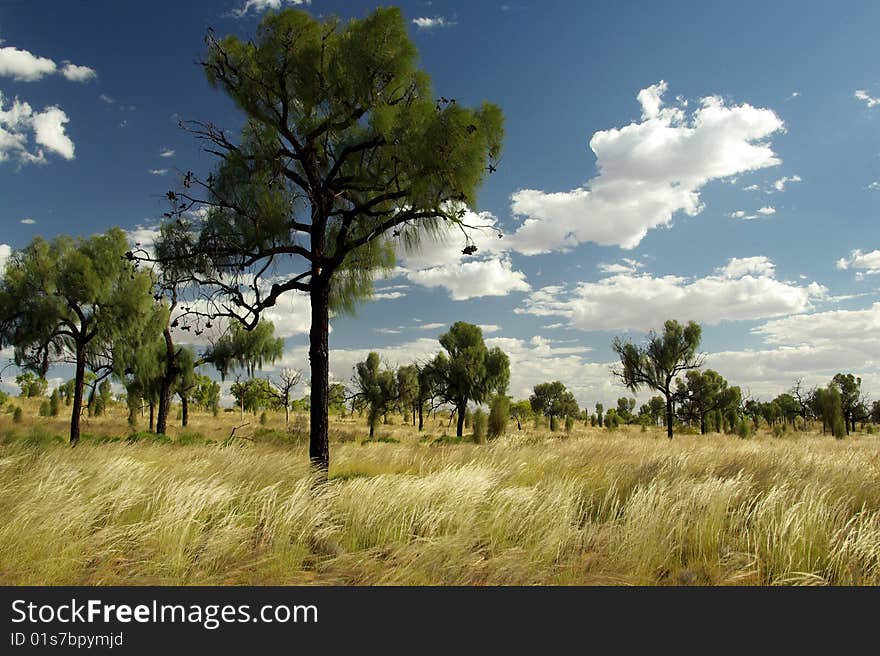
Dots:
(592, 508)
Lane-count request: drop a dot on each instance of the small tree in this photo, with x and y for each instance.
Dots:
(54, 403)
(599, 416)
(287, 380)
(553, 400)
(375, 389)
(521, 411)
(31, 386)
(499, 411)
(468, 371)
(657, 363)
(479, 421)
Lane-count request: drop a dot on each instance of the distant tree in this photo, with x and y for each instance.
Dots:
(702, 394)
(625, 407)
(521, 411)
(101, 398)
(67, 300)
(850, 388)
(657, 363)
(427, 390)
(337, 398)
(375, 389)
(600, 419)
(479, 423)
(803, 398)
(31, 386)
(54, 403)
(205, 393)
(875, 412)
(553, 400)
(408, 390)
(653, 409)
(468, 371)
(253, 394)
(345, 147)
(288, 379)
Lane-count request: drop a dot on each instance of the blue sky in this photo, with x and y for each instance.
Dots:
(676, 160)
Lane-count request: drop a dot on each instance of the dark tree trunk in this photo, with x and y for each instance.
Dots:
(170, 374)
(421, 415)
(414, 415)
(372, 428)
(319, 361)
(702, 423)
(669, 417)
(79, 383)
(460, 409)
(152, 415)
(184, 410)
(518, 423)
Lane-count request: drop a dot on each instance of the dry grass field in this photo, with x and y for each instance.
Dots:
(593, 507)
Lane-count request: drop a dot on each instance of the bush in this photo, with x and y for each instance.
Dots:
(838, 428)
(54, 403)
(45, 409)
(569, 423)
(778, 430)
(263, 419)
(499, 411)
(479, 422)
(468, 418)
(744, 429)
(870, 429)
(553, 423)
(17, 415)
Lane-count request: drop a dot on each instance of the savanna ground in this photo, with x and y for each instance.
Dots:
(592, 507)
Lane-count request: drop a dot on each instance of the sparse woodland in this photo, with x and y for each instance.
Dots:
(425, 472)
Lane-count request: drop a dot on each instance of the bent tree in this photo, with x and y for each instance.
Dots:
(70, 300)
(656, 363)
(344, 154)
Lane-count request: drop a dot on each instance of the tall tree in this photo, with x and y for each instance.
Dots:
(408, 390)
(703, 393)
(375, 389)
(67, 300)
(657, 363)
(553, 400)
(468, 371)
(345, 149)
(850, 388)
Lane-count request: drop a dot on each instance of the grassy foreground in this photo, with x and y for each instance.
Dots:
(593, 508)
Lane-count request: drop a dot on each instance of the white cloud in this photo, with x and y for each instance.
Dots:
(779, 185)
(428, 23)
(258, 6)
(378, 296)
(5, 252)
(24, 66)
(76, 73)
(107, 99)
(745, 288)
(20, 123)
(48, 127)
(465, 280)
(648, 171)
(626, 265)
(752, 187)
(143, 236)
(157, 171)
(166, 152)
(740, 214)
(862, 94)
(432, 326)
(28, 221)
(488, 328)
(795, 94)
(858, 260)
(767, 211)
(439, 261)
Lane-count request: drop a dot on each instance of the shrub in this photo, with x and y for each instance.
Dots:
(479, 422)
(468, 418)
(54, 403)
(499, 411)
(263, 419)
(45, 409)
(870, 429)
(778, 430)
(593, 421)
(553, 423)
(17, 415)
(838, 428)
(744, 429)
(569, 423)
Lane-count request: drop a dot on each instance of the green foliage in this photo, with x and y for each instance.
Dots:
(468, 371)
(499, 411)
(600, 409)
(375, 389)
(45, 409)
(17, 415)
(246, 349)
(744, 429)
(337, 398)
(553, 400)
(521, 411)
(479, 423)
(31, 386)
(205, 393)
(569, 423)
(54, 403)
(264, 419)
(252, 395)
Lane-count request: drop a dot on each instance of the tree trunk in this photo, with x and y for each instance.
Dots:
(702, 423)
(421, 416)
(287, 413)
(167, 380)
(184, 410)
(152, 415)
(319, 361)
(669, 417)
(460, 409)
(77, 393)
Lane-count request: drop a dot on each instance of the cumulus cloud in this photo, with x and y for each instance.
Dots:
(166, 152)
(430, 23)
(439, 261)
(19, 124)
(259, 6)
(28, 221)
(76, 73)
(869, 262)
(862, 94)
(767, 210)
(5, 252)
(745, 288)
(24, 66)
(648, 171)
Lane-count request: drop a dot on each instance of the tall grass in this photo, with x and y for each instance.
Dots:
(597, 508)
